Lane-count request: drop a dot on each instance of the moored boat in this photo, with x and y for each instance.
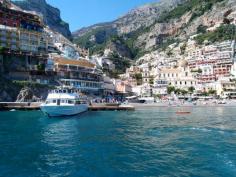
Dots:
(64, 102)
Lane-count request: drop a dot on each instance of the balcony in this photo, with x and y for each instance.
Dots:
(33, 67)
(14, 47)
(3, 39)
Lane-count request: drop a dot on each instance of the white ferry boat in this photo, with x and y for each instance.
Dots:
(64, 102)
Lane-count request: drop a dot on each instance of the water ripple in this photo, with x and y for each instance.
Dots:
(140, 143)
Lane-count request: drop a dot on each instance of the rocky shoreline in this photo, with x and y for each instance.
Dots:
(11, 91)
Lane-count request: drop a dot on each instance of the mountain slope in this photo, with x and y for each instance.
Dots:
(51, 14)
(98, 37)
(156, 25)
(133, 20)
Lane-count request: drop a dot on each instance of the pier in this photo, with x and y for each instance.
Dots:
(111, 108)
(29, 106)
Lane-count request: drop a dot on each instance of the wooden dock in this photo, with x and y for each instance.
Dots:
(7, 106)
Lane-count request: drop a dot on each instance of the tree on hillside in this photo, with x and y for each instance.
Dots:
(177, 91)
(183, 48)
(212, 92)
(184, 92)
(191, 89)
(139, 78)
(201, 29)
(2, 49)
(170, 89)
(151, 81)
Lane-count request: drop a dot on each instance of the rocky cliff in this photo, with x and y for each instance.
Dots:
(50, 14)
(155, 26)
(136, 18)
(21, 91)
(97, 37)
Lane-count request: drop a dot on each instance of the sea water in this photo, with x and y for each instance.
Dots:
(154, 142)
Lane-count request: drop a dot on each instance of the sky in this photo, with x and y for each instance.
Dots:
(82, 13)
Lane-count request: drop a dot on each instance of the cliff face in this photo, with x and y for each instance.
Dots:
(154, 26)
(98, 36)
(51, 14)
(136, 18)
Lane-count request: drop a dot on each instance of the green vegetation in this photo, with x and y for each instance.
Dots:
(139, 78)
(197, 7)
(177, 91)
(22, 84)
(201, 29)
(99, 38)
(151, 81)
(120, 63)
(112, 73)
(191, 89)
(2, 49)
(165, 44)
(212, 92)
(96, 39)
(183, 48)
(63, 23)
(224, 32)
(132, 37)
(180, 92)
(197, 71)
(170, 89)
(41, 67)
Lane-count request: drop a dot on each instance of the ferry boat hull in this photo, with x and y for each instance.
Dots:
(60, 111)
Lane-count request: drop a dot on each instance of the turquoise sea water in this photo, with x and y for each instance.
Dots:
(99, 144)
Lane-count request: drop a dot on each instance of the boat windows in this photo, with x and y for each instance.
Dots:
(70, 102)
(77, 102)
(54, 101)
